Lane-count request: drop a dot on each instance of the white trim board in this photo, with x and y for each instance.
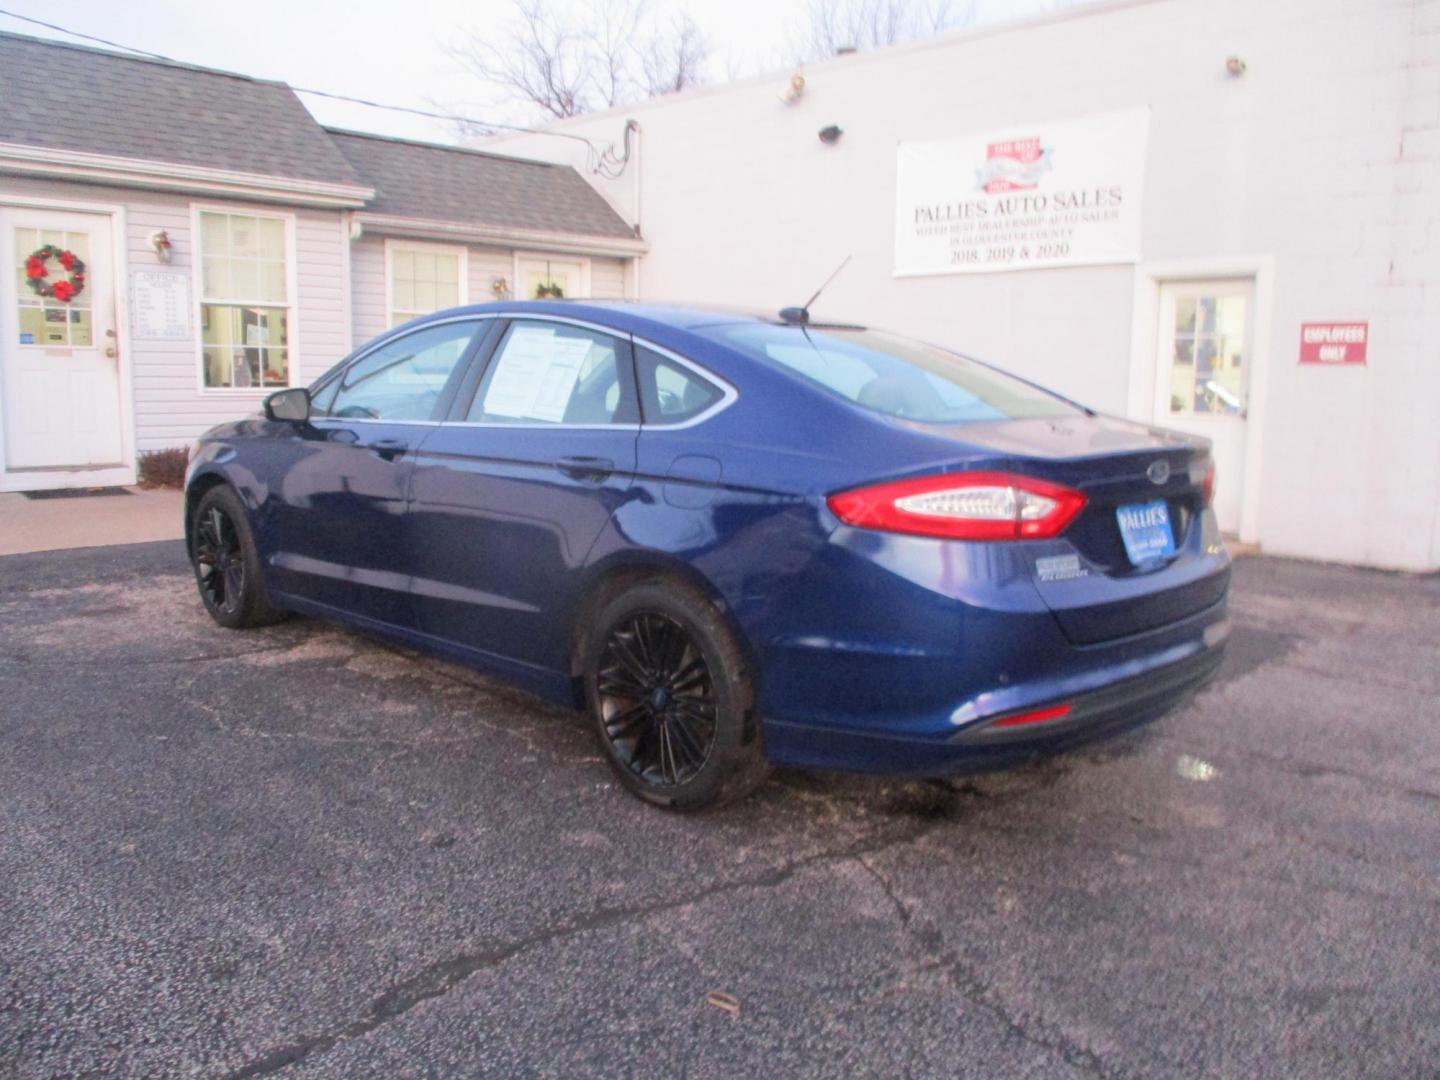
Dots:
(55, 479)
(533, 240)
(139, 172)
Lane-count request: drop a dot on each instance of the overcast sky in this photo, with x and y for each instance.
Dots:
(393, 51)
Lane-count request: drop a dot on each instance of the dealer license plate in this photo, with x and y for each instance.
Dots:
(1145, 528)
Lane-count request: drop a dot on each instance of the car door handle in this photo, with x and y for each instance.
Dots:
(389, 449)
(586, 468)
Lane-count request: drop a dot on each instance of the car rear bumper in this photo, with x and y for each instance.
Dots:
(1106, 702)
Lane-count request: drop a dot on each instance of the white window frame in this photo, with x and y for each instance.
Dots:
(522, 257)
(393, 245)
(292, 321)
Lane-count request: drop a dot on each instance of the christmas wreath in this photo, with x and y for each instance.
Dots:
(37, 271)
(549, 290)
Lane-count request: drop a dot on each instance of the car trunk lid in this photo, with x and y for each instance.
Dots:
(1087, 577)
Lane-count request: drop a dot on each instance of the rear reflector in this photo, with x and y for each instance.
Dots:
(1037, 717)
(962, 506)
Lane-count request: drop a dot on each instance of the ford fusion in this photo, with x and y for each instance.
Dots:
(732, 540)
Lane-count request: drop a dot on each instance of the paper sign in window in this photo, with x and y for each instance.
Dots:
(535, 375)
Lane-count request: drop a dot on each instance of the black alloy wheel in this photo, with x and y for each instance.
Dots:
(670, 694)
(657, 700)
(219, 561)
(227, 565)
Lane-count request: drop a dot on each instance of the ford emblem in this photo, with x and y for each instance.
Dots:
(1159, 471)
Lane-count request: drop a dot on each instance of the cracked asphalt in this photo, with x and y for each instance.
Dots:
(300, 851)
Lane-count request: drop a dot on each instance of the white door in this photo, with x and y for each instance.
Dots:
(1202, 375)
(59, 368)
(540, 276)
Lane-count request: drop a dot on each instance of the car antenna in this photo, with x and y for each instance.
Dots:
(801, 314)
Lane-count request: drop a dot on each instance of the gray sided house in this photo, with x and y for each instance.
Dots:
(182, 241)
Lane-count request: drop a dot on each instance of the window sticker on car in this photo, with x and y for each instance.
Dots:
(535, 374)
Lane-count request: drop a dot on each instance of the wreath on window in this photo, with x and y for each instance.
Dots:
(37, 272)
(549, 290)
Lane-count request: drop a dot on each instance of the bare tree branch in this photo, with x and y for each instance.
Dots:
(612, 36)
(564, 62)
(540, 59)
(831, 26)
(673, 61)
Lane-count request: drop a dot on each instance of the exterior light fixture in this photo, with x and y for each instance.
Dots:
(160, 241)
(831, 135)
(500, 288)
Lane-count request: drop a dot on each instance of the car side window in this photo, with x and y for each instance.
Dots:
(670, 393)
(321, 397)
(554, 373)
(402, 379)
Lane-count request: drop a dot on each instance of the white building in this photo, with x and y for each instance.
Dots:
(1285, 172)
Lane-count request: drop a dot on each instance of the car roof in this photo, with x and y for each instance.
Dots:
(626, 313)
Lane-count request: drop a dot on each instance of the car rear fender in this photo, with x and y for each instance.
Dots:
(623, 568)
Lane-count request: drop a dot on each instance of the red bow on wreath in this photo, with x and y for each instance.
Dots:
(64, 290)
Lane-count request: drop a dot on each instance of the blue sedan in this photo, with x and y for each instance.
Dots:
(732, 540)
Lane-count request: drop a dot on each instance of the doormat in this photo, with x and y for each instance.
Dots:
(74, 493)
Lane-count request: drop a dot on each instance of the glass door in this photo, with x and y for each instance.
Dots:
(1202, 375)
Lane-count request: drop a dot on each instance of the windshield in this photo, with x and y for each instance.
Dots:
(894, 375)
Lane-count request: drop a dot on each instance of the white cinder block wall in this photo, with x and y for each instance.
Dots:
(1323, 158)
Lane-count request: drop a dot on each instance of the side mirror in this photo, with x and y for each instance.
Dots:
(291, 405)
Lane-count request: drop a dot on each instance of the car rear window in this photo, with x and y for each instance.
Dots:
(894, 375)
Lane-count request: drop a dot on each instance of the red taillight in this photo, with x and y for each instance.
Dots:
(962, 506)
(1037, 717)
(1202, 472)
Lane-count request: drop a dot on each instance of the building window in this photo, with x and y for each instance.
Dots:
(245, 314)
(1207, 373)
(424, 279)
(543, 278)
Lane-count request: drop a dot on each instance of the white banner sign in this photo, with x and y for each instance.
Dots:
(1035, 195)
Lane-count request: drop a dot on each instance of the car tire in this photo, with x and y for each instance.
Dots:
(669, 692)
(227, 566)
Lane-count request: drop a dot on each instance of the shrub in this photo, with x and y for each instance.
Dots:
(163, 468)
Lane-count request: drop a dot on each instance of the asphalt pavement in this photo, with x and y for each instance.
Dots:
(301, 851)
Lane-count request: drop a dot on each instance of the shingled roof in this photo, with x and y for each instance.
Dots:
(155, 110)
(471, 187)
(158, 111)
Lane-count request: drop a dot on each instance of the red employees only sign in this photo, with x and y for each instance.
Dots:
(1333, 342)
